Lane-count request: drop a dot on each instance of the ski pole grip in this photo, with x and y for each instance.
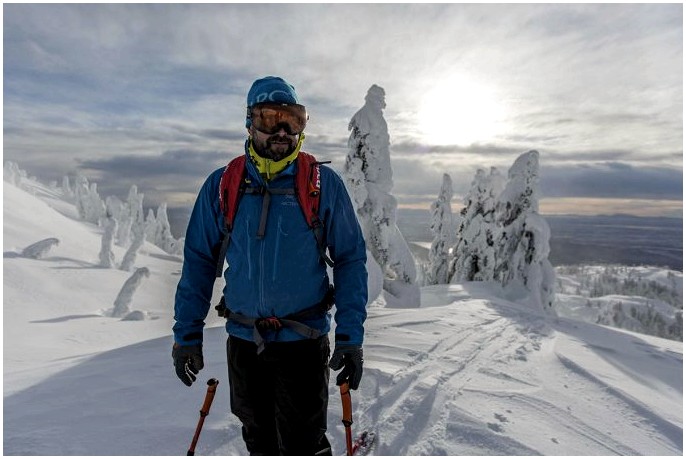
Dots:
(347, 402)
(209, 396)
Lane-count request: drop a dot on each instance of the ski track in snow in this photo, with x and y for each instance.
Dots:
(412, 411)
(661, 430)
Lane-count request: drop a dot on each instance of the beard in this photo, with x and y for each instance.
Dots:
(275, 147)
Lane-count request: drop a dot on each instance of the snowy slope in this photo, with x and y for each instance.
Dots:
(466, 374)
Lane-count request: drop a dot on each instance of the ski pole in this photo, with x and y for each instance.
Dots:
(204, 411)
(347, 402)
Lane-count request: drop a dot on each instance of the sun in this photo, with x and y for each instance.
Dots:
(458, 111)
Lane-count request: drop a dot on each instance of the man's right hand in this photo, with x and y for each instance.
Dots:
(187, 361)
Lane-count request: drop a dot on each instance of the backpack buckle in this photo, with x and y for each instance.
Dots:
(269, 323)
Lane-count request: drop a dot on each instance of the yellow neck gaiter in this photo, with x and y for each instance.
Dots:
(269, 168)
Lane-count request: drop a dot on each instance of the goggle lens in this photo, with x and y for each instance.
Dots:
(270, 118)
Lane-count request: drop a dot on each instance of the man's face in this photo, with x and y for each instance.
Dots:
(273, 146)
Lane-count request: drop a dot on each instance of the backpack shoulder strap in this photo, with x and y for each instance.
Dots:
(308, 192)
(230, 189)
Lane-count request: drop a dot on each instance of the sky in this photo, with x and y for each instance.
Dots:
(154, 95)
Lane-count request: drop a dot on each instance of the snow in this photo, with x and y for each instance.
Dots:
(468, 373)
(639, 298)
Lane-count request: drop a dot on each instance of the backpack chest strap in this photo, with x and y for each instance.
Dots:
(266, 199)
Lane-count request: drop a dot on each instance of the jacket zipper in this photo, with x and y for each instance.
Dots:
(262, 307)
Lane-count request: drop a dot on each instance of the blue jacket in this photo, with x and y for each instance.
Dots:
(280, 274)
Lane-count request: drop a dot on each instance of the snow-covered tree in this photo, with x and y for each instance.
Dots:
(132, 222)
(67, 192)
(39, 249)
(503, 238)
(441, 221)
(109, 224)
(523, 239)
(158, 231)
(369, 179)
(130, 255)
(13, 174)
(474, 253)
(125, 296)
(88, 203)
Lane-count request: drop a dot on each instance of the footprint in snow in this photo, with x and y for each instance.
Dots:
(494, 427)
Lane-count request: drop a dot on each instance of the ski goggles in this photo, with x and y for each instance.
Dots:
(271, 117)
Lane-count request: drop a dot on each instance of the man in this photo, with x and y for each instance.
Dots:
(277, 288)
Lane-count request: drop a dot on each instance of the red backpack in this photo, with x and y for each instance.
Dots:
(235, 183)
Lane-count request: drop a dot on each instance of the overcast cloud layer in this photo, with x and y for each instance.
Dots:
(154, 95)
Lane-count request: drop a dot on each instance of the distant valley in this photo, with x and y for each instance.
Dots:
(615, 239)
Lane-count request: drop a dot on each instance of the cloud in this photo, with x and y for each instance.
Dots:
(612, 179)
(177, 171)
(96, 85)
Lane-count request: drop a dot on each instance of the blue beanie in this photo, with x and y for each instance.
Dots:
(271, 89)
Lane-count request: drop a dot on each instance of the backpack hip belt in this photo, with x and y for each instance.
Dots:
(292, 321)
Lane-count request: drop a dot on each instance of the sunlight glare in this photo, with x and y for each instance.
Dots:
(457, 111)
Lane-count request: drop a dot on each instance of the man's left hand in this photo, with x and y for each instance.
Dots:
(349, 357)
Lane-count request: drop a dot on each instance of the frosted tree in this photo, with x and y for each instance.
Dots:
(66, 188)
(369, 180)
(106, 255)
(125, 296)
(523, 239)
(13, 174)
(115, 208)
(39, 249)
(474, 253)
(158, 231)
(164, 238)
(130, 255)
(151, 227)
(441, 222)
(87, 200)
(132, 219)
(80, 191)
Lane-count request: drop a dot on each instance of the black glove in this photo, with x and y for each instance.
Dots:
(348, 357)
(187, 361)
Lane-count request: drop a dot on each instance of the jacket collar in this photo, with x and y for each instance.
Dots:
(268, 169)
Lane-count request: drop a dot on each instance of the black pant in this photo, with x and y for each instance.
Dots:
(281, 396)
